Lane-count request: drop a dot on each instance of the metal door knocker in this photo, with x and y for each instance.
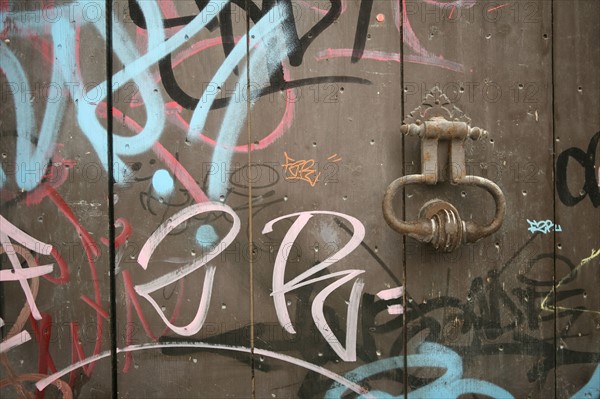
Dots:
(439, 222)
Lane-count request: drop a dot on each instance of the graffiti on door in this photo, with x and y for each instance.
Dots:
(160, 175)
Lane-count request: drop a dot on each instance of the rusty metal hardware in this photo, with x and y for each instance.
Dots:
(439, 222)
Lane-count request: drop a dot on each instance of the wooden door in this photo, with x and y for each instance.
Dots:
(211, 226)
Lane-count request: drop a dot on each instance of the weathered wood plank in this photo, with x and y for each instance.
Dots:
(577, 128)
(55, 191)
(339, 150)
(494, 63)
(204, 297)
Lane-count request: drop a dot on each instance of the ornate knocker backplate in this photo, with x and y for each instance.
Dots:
(439, 222)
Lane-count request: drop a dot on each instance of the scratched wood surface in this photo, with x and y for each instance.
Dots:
(273, 274)
(577, 132)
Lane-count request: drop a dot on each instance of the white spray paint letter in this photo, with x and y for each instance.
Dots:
(149, 247)
(8, 231)
(280, 287)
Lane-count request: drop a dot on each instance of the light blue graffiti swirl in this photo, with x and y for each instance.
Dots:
(591, 390)
(31, 162)
(66, 71)
(236, 114)
(450, 385)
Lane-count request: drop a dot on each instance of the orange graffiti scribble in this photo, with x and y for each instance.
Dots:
(330, 158)
(304, 169)
(300, 170)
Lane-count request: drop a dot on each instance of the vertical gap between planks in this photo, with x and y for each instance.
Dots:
(555, 327)
(250, 234)
(404, 273)
(111, 203)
